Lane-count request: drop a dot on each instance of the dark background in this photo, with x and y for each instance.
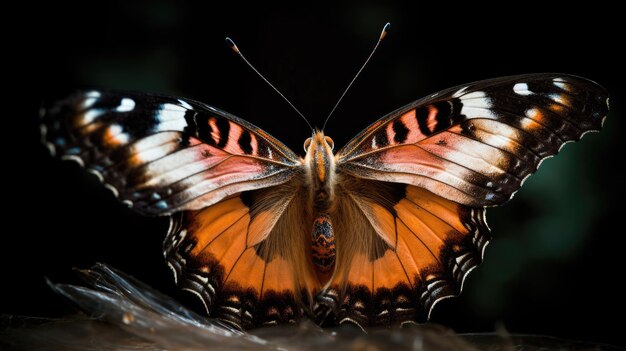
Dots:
(555, 262)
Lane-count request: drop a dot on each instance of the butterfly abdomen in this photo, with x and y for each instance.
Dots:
(323, 247)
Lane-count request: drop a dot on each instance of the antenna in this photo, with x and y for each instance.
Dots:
(233, 46)
(383, 34)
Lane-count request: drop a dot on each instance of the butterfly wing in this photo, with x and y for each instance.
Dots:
(475, 144)
(246, 257)
(421, 177)
(428, 246)
(163, 154)
(234, 191)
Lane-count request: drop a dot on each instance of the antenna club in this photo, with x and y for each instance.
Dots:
(383, 34)
(232, 45)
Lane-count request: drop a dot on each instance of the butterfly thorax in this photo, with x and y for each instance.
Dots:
(319, 164)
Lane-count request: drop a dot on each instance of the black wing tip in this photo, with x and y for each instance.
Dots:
(598, 95)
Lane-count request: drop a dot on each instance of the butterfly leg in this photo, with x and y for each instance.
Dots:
(323, 247)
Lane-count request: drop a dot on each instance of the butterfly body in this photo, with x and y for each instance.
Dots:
(319, 163)
(323, 247)
(373, 234)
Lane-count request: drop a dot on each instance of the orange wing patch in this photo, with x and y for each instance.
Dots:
(247, 283)
(436, 244)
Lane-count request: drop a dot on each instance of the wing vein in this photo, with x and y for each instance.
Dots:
(262, 282)
(432, 214)
(473, 157)
(223, 231)
(425, 176)
(182, 203)
(418, 238)
(505, 137)
(234, 265)
(404, 270)
(373, 282)
(395, 222)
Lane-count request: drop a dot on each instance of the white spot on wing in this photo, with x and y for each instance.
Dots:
(122, 138)
(527, 123)
(88, 102)
(374, 146)
(474, 95)
(92, 115)
(558, 98)
(93, 94)
(531, 112)
(561, 83)
(477, 104)
(174, 107)
(126, 105)
(522, 89)
(117, 134)
(530, 122)
(172, 111)
(115, 129)
(459, 92)
(171, 117)
(184, 104)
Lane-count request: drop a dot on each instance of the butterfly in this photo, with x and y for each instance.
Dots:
(373, 234)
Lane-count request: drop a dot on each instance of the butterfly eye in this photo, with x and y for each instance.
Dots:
(307, 143)
(330, 142)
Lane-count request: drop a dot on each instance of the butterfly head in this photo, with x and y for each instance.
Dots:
(320, 139)
(320, 165)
